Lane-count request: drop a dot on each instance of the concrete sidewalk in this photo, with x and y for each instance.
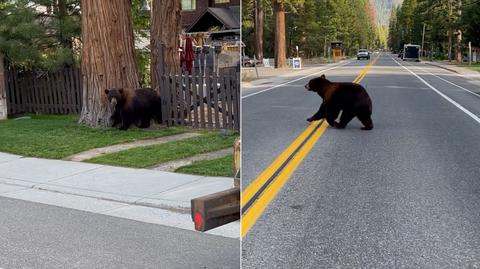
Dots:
(140, 194)
(268, 74)
(455, 69)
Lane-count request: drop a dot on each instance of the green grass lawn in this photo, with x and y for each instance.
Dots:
(475, 67)
(58, 136)
(222, 167)
(151, 155)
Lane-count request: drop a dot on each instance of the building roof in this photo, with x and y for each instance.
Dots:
(225, 18)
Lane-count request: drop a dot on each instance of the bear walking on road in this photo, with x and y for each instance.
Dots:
(350, 98)
(138, 106)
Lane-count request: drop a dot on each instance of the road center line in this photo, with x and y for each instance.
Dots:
(365, 71)
(246, 205)
(265, 195)
(253, 188)
(256, 197)
(297, 79)
(466, 111)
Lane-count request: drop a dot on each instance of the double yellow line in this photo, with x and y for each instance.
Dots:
(266, 186)
(365, 70)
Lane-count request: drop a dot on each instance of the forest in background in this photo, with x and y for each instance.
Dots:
(312, 25)
(449, 26)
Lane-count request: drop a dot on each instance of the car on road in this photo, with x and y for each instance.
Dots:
(249, 62)
(363, 54)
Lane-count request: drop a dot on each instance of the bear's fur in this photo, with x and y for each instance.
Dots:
(350, 98)
(138, 106)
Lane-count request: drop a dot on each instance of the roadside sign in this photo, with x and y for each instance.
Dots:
(266, 62)
(297, 63)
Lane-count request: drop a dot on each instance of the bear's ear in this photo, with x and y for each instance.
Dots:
(106, 91)
(120, 90)
(323, 76)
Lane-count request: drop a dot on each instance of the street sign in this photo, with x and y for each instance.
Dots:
(297, 63)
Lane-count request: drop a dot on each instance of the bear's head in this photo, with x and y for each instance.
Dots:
(318, 85)
(115, 95)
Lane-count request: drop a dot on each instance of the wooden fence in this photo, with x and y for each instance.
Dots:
(202, 101)
(44, 92)
(198, 100)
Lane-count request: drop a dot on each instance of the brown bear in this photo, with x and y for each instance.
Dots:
(350, 98)
(138, 106)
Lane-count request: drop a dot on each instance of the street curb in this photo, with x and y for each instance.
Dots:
(179, 206)
(173, 206)
(141, 210)
(443, 67)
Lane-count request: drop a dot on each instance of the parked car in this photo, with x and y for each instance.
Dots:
(363, 54)
(247, 61)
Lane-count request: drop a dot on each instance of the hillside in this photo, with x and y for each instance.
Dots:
(383, 8)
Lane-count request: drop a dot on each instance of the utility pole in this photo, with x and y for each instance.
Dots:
(423, 40)
(450, 12)
(459, 35)
(469, 53)
(325, 48)
(3, 91)
(258, 28)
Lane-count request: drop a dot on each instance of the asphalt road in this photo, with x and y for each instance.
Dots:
(404, 195)
(36, 236)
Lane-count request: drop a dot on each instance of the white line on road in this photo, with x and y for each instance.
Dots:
(473, 116)
(460, 87)
(288, 82)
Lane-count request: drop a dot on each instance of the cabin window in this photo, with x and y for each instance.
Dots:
(189, 4)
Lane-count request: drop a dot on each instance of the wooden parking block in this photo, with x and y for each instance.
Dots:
(216, 209)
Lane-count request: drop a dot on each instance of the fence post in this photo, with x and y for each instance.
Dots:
(3, 91)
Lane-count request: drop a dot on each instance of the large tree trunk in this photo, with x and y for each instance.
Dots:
(258, 16)
(450, 30)
(166, 26)
(280, 43)
(108, 56)
(3, 91)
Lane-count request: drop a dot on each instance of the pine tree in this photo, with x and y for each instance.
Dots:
(39, 34)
